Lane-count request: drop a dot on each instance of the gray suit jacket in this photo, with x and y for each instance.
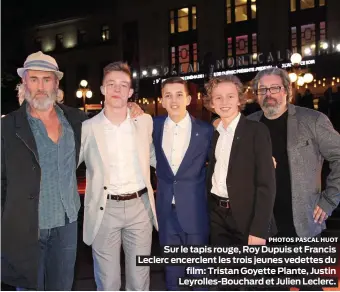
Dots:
(311, 138)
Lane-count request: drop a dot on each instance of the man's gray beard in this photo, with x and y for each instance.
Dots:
(41, 104)
(271, 110)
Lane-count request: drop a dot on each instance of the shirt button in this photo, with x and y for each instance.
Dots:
(105, 188)
(33, 167)
(101, 208)
(31, 197)
(175, 182)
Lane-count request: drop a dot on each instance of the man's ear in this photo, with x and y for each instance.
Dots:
(188, 99)
(102, 90)
(130, 92)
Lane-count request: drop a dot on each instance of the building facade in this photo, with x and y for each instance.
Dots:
(196, 39)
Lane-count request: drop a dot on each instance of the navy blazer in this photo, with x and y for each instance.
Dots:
(188, 185)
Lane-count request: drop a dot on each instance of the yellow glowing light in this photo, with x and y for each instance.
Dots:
(293, 77)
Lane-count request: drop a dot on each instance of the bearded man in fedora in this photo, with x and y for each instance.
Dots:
(40, 145)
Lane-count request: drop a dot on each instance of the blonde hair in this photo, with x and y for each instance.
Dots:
(117, 66)
(213, 82)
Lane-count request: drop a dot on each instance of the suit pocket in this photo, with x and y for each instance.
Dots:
(304, 143)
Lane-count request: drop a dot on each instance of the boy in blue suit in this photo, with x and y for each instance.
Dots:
(182, 145)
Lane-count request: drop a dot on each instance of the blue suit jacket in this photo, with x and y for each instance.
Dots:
(188, 185)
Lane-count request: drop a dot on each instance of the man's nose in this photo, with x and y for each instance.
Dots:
(41, 85)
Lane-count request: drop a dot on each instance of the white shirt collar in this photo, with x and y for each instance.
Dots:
(231, 127)
(106, 121)
(184, 123)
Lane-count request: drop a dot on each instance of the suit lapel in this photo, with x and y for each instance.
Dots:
(236, 142)
(24, 132)
(99, 134)
(292, 127)
(193, 143)
(140, 144)
(160, 144)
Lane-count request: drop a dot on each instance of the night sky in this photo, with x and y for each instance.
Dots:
(18, 15)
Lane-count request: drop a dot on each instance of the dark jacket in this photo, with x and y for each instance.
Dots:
(250, 179)
(20, 188)
(188, 185)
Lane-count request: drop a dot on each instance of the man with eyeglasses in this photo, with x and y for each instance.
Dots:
(119, 202)
(301, 139)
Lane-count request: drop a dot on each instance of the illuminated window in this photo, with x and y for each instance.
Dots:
(253, 9)
(308, 39)
(183, 19)
(254, 43)
(241, 10)
(194, 54)
(322, 31)
(230, 47)
(173, 55)
(187, 54)
(322, 2)
(172, 21)
(241, 45)
(228, 11)
(293, 39)
(306, 4)
(105, 33)
(194, 19)
(292, 5)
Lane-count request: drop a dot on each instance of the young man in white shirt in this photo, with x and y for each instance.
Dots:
(119, 200)
(241, 173)
(181, 145)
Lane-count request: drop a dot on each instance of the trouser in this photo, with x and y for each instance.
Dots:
(128, 223)
(58, 250)
(224, 231)
(173, 234)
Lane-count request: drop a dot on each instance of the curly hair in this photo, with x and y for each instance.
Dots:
(213, 82)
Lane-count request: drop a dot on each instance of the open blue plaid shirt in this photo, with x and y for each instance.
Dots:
(58, 187)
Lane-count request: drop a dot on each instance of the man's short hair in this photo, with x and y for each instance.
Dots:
(283, 74)
(174, 80)
(119, 67)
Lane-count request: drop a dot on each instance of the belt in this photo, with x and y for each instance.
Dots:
(224, 203)
(126, 197)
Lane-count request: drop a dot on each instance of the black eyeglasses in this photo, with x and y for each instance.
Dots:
(273, 89)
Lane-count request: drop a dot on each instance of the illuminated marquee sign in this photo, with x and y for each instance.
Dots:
(238, 64)
(239, 71)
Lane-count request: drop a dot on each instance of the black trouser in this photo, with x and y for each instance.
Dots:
(223, 228)
(224, 231)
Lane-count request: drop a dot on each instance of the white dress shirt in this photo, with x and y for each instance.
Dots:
(222, 155)
(175, 143)
(125, 172)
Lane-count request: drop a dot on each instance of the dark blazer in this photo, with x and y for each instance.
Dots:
(311, 138)
(251, 177)
(188, 185)
(20, 188)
